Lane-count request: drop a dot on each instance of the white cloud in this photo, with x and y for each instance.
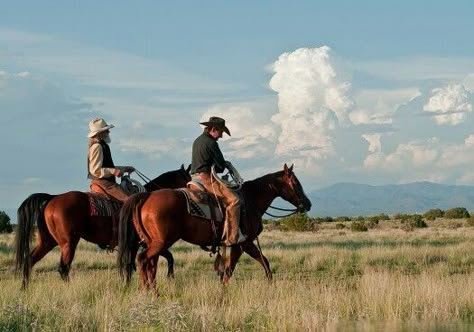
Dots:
(311, 102)
(374, 142)
(415, 154)
(468, 82)
(450, 104)
(253, 135)
(378, 106)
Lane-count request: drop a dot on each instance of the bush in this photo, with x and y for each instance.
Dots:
(383, 216)
(433, 214)
(5, 225)
(457, 213)
(470, 221)
(342, 219)
(340, 226)
(372, 222)
(359, 226)
(403, 217)
(359, 218)
(299, 222)
(324, 219)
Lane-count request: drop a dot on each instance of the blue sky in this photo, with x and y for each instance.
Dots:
(369, 92)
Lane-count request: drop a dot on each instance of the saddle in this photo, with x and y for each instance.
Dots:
(202, 205)
(102, 205)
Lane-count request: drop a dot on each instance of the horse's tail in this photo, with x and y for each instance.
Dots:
(127, 234)
(29, 212)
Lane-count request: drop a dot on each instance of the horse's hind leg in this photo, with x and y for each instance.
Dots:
(169, 257)
(68, 250)
(44, 245)
(148, 261)
(41, 249)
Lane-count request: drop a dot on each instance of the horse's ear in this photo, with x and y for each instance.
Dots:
(182, 167)
(188, 169)
(287, 169)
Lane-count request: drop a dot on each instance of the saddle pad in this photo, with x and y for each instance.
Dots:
(198, 209)
(102, 206)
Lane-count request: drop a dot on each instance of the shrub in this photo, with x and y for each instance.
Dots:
(340, 226)
(298, 222)
(342, 219)
(5, 225)
(457, 213)
(470, 221)
(433, 214)
(403, 217)
(383, 216)
(374, 219)
(417, 221)
(359, 226)
(372, 222)
(359, 218)
(454, 225)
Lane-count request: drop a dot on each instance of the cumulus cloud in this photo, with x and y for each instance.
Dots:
(374, 142)
(427, 160)
(312, 102)
(418, 153)
(253, 135)
(450, 104)
(469, 82)
(378, 106)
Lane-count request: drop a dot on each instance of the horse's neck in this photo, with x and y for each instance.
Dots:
(260, 193)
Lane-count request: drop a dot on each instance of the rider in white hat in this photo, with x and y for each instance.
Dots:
(100, 166)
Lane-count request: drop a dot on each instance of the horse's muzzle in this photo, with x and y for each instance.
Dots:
(304, 206)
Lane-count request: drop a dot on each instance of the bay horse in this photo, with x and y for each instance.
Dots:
(62, 220)
(161, 218)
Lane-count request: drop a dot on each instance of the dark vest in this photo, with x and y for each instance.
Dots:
(106, 161)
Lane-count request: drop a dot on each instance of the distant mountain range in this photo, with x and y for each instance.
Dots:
(351, 199)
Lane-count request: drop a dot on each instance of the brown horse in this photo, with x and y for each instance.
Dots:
(159, 219)
(63, 219)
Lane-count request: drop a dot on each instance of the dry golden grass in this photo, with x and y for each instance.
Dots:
(331, 280)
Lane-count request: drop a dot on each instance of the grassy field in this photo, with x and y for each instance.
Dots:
(330, 280)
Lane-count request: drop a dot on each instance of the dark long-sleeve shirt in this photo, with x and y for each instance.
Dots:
(206, 152)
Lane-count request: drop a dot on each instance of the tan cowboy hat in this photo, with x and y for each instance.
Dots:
(215, 121)
(98, 125)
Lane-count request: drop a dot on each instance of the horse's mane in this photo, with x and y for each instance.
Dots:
(264, 179)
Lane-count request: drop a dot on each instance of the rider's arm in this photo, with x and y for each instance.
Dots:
(218, 158)
(96, 158)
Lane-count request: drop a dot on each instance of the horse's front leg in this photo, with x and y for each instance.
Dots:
(235, 253)
(256, 254)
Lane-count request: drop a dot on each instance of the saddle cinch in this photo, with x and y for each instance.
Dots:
(201, 203)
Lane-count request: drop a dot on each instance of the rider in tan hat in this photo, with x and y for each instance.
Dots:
(206, 153)
(100, 166)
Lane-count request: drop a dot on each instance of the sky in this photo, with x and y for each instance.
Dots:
(375, 92)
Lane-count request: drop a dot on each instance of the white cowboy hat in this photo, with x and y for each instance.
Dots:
(98, 125)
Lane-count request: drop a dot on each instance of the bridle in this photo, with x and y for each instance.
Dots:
(292, 212)
(146, 179)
